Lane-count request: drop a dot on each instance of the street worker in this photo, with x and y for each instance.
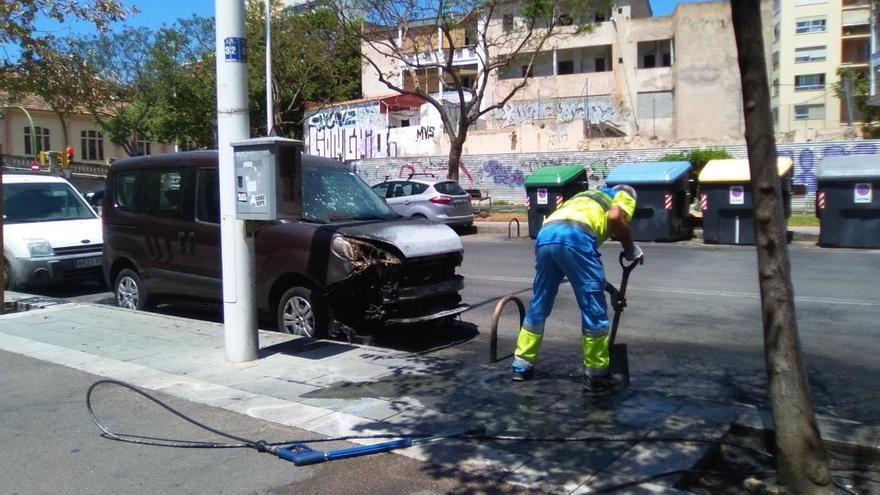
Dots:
(568, 246)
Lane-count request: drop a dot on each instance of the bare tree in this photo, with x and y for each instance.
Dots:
(412, 48)
(803, 462)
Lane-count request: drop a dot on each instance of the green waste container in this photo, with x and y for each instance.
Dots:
(547, 188)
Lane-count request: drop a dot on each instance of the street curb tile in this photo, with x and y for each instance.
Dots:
(40, 312)
(277, 411)
(837, 431)
(206, 393)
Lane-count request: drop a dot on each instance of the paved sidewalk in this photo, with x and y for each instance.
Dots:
(335, 389)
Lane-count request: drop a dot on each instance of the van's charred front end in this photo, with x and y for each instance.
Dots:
(396, 282)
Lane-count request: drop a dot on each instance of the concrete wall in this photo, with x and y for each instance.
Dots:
(503, 175)
(708, 99)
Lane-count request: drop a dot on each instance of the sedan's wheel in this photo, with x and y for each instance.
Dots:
(301, 313)
(130, 292)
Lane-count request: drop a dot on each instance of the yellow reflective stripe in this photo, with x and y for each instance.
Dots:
(527, 345)
(625, 202)
(597, 196)
(596, 352)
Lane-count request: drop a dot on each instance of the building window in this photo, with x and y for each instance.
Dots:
(507, 23)
(39, 138)
(141, 147)
(776, 5)
(92, 145)
(656, 53)
(808, 2)
(809, 81)
(565, 67)
(775, 87)
(776, 31)
(775, 58)
(810, 25)
(600, 64)
(775, 113)
(809, 54)
(565, 20)
(526, 71)
(809, 112)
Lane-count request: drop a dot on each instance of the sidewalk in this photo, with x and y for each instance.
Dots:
(799, 234)
(334, 389)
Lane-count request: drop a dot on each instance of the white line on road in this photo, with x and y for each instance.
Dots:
(696, 292)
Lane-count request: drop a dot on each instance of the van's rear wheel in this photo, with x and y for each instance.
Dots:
(302, 312)
(130, 292)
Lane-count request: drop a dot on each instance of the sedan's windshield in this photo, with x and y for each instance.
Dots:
(338, 195)
(43, 202)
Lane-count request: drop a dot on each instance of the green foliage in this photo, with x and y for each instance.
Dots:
(867, 114)
(313, 60)
(698, 157)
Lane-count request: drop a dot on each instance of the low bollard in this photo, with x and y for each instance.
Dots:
(509, 225)
(493, 337)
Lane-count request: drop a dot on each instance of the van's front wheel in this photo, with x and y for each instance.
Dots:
(302, 312)
(130, 292)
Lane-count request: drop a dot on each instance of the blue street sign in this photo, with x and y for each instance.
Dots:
(235, 49)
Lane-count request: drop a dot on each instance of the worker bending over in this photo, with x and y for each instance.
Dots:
(568, 246)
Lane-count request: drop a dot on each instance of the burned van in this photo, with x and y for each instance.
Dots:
(348, 264)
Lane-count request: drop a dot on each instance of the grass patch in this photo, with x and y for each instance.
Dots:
(803, 220)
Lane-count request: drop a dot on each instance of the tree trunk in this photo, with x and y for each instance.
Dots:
(803, 462)
(456, 144)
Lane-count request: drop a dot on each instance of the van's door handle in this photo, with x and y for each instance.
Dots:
(191, 242)
(181, 242)
(407, 202)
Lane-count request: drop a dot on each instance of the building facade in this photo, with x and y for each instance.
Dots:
(634, 80)
(17, 138)
(814, 42)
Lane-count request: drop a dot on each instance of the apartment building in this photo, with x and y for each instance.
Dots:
(633, 80)
(812, 43)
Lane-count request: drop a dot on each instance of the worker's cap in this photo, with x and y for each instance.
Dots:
(627, 189)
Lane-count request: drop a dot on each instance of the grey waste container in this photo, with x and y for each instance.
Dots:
(547, 188)
(726, 200)
(663, 190)
(847, 202)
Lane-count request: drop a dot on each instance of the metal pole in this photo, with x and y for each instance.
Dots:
(270, 112)
(233, 124)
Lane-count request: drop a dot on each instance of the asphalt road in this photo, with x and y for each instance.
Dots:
(50, 445)
(694, 311)
(693, 314)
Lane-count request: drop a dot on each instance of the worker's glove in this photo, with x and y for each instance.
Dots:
(632, 252)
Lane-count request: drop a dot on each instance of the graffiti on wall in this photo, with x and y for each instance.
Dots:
(359, 116)
(503, 176)
(599, 110)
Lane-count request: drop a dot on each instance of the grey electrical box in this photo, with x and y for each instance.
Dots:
(268, 178)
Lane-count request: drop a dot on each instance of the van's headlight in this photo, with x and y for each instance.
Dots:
(360, 253)
(39, 247)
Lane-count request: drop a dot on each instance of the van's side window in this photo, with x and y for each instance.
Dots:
(123, 191)
(164, 194)
(208, 209)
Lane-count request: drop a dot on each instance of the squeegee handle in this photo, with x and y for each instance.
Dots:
(302, 457)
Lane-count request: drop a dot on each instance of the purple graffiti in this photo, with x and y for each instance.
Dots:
(505, 175)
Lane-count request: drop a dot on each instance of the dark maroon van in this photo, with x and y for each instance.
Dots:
(349, 264)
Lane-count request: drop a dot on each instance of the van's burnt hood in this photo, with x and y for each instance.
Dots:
(414, 238)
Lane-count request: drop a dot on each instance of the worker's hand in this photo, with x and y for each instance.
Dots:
(632, 251)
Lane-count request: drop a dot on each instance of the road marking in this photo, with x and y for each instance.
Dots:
(695, 292)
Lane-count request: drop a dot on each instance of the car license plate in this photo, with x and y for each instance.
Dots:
(88, 262)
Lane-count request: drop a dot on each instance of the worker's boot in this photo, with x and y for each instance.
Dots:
(523, 370)
(600, 385)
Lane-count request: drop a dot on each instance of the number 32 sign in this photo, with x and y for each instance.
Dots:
(235, 49)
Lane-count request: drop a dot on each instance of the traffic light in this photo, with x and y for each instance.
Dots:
(67, 157)
(44, 158)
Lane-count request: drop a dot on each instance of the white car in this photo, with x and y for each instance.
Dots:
(50, 233)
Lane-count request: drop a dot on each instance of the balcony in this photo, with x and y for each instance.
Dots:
(655, 79)
(460, 56)
(855, 4)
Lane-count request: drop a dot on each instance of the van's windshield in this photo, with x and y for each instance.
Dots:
(338, 195)
(28, 202)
